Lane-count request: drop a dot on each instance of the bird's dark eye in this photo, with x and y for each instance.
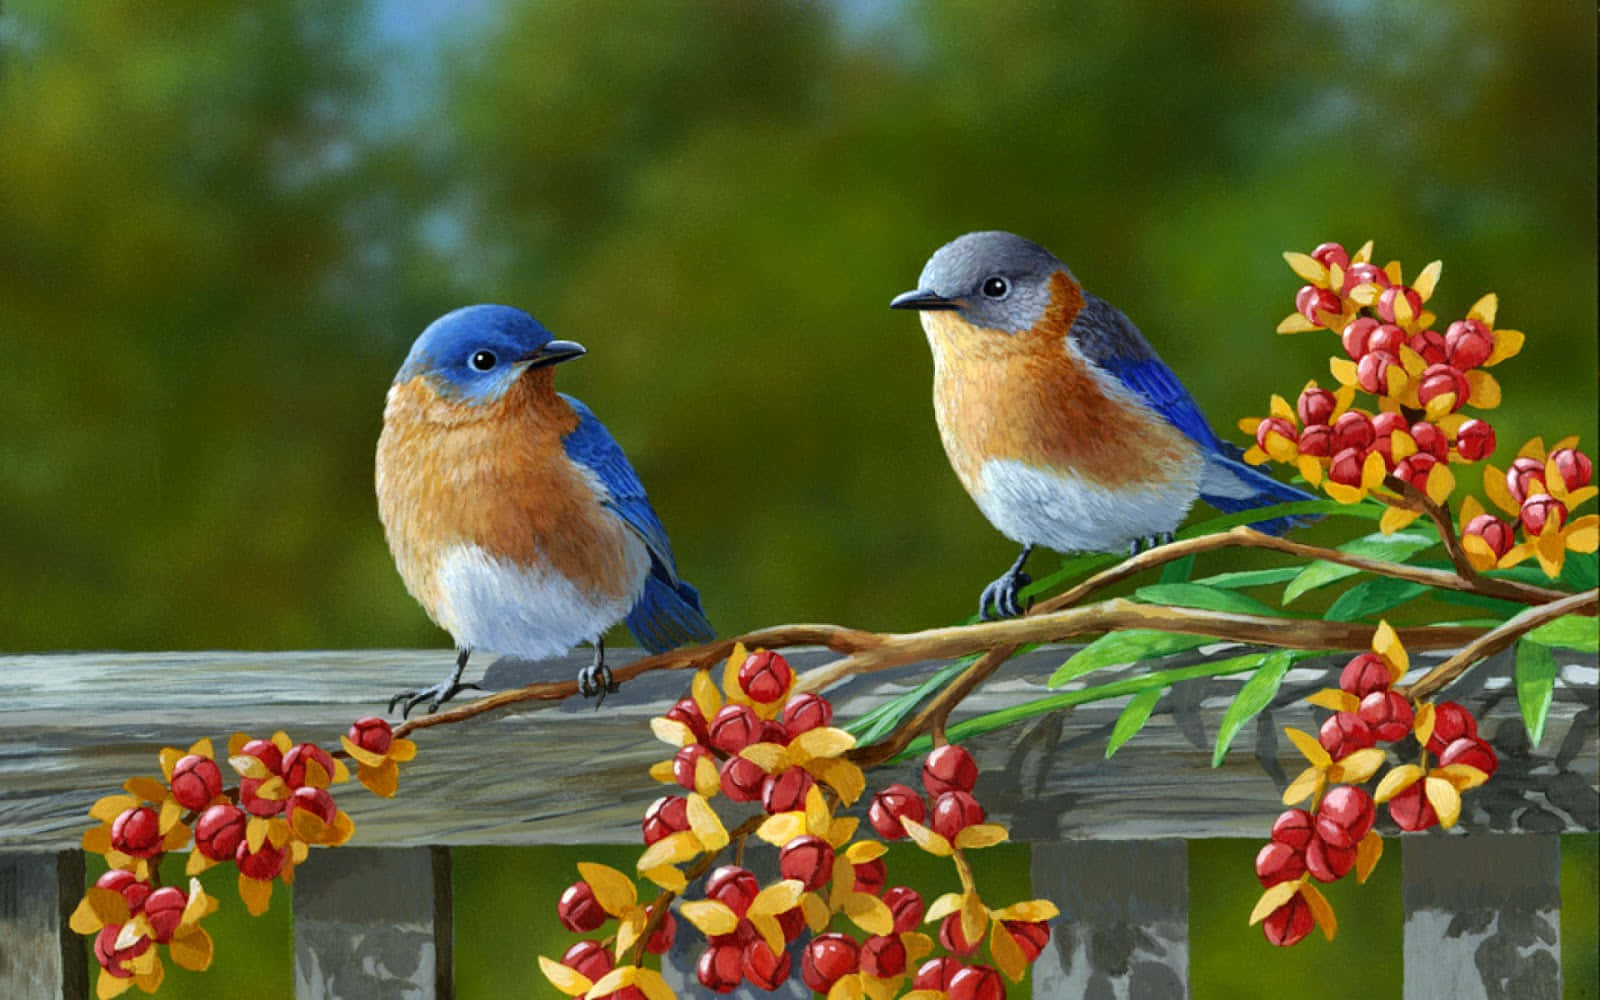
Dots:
(996, 287)
(483, 360)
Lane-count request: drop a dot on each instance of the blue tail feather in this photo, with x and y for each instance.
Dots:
(1266, 491)
(667, 614)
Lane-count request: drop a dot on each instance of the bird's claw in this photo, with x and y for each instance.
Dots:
(595, 681)
(1004, 596)
(435, 696)
(1145, 543)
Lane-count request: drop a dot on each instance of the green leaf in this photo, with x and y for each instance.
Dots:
(1397, 548)
(1370, 510)
(1372, 597)
(1536, 680)
(1569, 632)
(1504, 609)
(873, 726)
(1178, 571)
(1581, 571)
(1198, 595)
(1251, 577)
(1255, 695)
(1133, 718)
(1128, 646)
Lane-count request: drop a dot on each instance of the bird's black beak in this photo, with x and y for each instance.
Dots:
(924, 300)
(554, 353)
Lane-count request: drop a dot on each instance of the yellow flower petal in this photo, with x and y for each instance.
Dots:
(707, 780)
(707, 827)
(382, 780)
(863, 851)
(618, 978)
(1395, 518)
(1007, 954)
(709, 916)
(1422, 724)
(1479, 554)
(1274, 897)
(1551, 549)
(402, 750)
(1484, 309)
(816, 912)
(1485, 391)
(819, 820)
(568, 980)
(841, 830)
(1470, 510)
(1356, 767)
(668, 878)
(942, 907)
(1533, 448)
(1444, 798)
(672, 732)
(870, 913)
(1310, 468)
(1321, 909)
(1494, 487)
(1307, 784)
(256, 894)
(110, 807)
(730, 676)
(1386, 643)
(1249, 425)
(1428, 278)
(1308, 747)
(672, 849)
(1335, 700)
(1583, 535)
(1507, 344)
(650, 983)
(1296, 323)
(1396, 781)
(974, 917)
(191, 949)
(1373, 471)
(823, 741)
(770, 757)
(1441, 483)
(981, 835)
(705, 693)
(1307, 267)
(779, 897)
(927, 839)
(1460, 776)
(662, 771)
(1253, 455)
(780, 828)
(1343, 369)
(840, 775)
(614, 891)
(1368, 851)
(358, 753)
(1030, 910)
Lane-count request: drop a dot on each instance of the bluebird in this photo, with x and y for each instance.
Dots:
(1058, 416)
(513, 515)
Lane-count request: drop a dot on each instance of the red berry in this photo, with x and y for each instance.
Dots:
(828, 958)
(1365, 274)
(684, 764)
(1472, 752)
(806, 711)
(1343, 734)
(1451, 721)
(294, 763)
(721, 968)
(254, 802)
(765, 676)
(1573, 466)
(1330, 254)
(883, 955)
(1355, 335)
(133, 890)
(870, 876)
(1327, 863)
(687, 711)
(936, 973)
(1525, 478)
(786, 791)
(793, 922)
(196, 780)
(1347, 466)
(742, 779)
(1468, 343)
(1031, 936)
(772, 731)
(1295, 828)
(1289, 923)
(372, 734)
(977, 982)
(1388, 338)
(1388, 303)
(954, 812)
(164, 910)
(137, 832)
(1414, 469)
(1539, 510)
(1372, 371)
(219, 831)
(1345, 816)
(905, 903)
(1430, 440)
(266, 752)
(589, 958)
(765, 968)
(1365, 674)
(1383, 427)
(666, 815)
(1411, 809)
(261, 865)
(316, 801)
(1353, 429)
(661, 938)
(1474, 440)
(1315, 406)
(1316, 440)
(889, 805)
(734, 887)
(1387, 714)
(1274, 425)
(740, 936)
(808, 859)
(951, 937)
(1278, 862)
(110, 958)
(1311, 301)
(1500, 535)
(1440, 380)
(579, 910)
(734, 728)
(1430, 345)
(949, 768)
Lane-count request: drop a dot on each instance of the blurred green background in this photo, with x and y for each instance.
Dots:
(222, 226)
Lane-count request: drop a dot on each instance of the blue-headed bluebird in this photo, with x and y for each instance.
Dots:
(1058, 416)
(513, 515)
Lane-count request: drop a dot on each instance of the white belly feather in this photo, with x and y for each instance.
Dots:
(1061, 511)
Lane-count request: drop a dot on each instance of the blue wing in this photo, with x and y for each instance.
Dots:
(668, 613)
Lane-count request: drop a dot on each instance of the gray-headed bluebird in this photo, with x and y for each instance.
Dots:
(1057, 414)
(513, 516)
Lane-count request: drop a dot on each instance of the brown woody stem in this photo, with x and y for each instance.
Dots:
(1501, 637)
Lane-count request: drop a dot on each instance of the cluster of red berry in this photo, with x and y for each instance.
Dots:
(263, 826)
(1539, 495)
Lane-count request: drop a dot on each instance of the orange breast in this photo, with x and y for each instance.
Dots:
(496, 477)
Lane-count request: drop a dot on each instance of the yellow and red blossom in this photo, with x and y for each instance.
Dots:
(976, 918)
(190, 945)
(380, 772)
(573, 983)
(706, 834)
(1442, 786)
(1557, 535)
(1281, 894)
(867, 911)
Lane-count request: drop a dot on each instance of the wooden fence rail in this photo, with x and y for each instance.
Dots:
(1482, 904)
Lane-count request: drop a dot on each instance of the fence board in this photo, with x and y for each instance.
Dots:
(39, 955)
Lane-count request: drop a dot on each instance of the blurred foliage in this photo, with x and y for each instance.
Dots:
(222, 226)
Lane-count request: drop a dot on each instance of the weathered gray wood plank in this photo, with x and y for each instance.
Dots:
(378, 925)
(74, 726)
(1482, 917)
(40, 957)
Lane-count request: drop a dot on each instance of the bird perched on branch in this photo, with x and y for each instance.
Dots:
(1058, 416)
(513, 515)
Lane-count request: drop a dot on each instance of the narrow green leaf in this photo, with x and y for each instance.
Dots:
(1536, 680)
(1369, 510)
(1494, 605)
(1198, 595)
(1133, 718)
(1397, 547)
(1070, 569)
(873, 726)
(1178, 571)
(1373, 597)
(1251, 577)
(1581, 571)
(1128, 646)
(1569, 632)
(1255, 695)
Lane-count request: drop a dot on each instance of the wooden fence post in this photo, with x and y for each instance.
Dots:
(39, 956)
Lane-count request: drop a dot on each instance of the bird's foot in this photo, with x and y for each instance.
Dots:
(1148, 542)
(434, 696)
(595, 681)
(1004, 596)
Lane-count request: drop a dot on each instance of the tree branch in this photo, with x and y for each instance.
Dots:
(1501, 637)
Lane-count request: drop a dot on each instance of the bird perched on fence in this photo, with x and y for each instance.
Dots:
(513, 515)
(1058, 416)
